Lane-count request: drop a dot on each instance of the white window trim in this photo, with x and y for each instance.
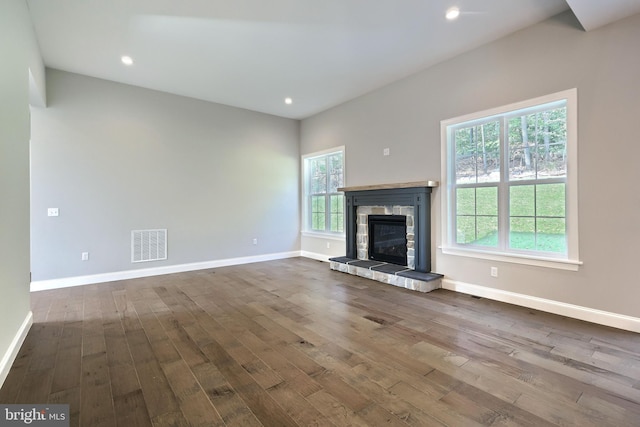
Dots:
(306, 229)
(572, 260)
(340, 237)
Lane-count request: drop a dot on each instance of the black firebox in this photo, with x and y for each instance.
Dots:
(388, 238)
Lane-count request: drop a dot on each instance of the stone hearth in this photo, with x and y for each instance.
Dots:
(391, 274)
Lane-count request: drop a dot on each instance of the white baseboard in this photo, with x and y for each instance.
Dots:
(316, 256)
(14, 347)
(41, 285)
(606, 318)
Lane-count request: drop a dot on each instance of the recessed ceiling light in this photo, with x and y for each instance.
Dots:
(127, 60)
(452, 13)
(288, 101)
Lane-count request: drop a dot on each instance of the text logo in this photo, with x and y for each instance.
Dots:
(34, 415)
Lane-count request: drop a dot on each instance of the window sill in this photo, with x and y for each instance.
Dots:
(319, 235)
(560, 264)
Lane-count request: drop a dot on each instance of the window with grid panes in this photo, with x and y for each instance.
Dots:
(511, 178)
(324, 174)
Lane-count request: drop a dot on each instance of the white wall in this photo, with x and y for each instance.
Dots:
(549, 57)
(321, 247)
(114, 158)
(19, 53)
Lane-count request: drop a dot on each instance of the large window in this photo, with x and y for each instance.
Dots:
(324, 205)
(510, 176)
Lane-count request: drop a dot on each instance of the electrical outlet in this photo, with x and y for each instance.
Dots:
(328, 245)
(386, 152)
(494, 271)
(85, 256)
(255, 241)
(53, 212)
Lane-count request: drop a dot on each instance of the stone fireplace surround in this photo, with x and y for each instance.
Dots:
(410, 199)
(362, 229)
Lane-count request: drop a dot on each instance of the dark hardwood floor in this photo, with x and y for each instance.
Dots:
(291, 343)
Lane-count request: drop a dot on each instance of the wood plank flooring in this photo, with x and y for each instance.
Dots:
(292, 343)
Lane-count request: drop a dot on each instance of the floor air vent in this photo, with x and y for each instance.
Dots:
(148, 245)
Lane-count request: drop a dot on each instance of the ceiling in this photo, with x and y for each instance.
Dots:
(253, 54)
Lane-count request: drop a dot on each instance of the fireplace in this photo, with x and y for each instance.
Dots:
(409, 199)
(388, 235)
(388, 238)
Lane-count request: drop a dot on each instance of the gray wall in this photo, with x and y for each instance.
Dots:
(18, 49)
(114, 158)
(603, 64)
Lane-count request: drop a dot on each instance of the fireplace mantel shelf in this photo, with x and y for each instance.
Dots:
(391, 186)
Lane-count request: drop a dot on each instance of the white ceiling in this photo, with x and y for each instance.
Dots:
(596, 13)
(253, 53)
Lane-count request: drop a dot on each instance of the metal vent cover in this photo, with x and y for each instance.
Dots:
(148, 245)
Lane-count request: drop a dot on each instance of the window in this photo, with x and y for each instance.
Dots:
(511, 182)
(324, 205)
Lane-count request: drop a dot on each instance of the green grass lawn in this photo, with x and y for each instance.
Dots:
(527, 241)
(536, 221)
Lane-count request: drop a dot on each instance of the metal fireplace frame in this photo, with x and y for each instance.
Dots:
(398, 220)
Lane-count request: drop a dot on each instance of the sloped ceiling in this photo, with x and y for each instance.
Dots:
(593, 14)
(253, 54)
